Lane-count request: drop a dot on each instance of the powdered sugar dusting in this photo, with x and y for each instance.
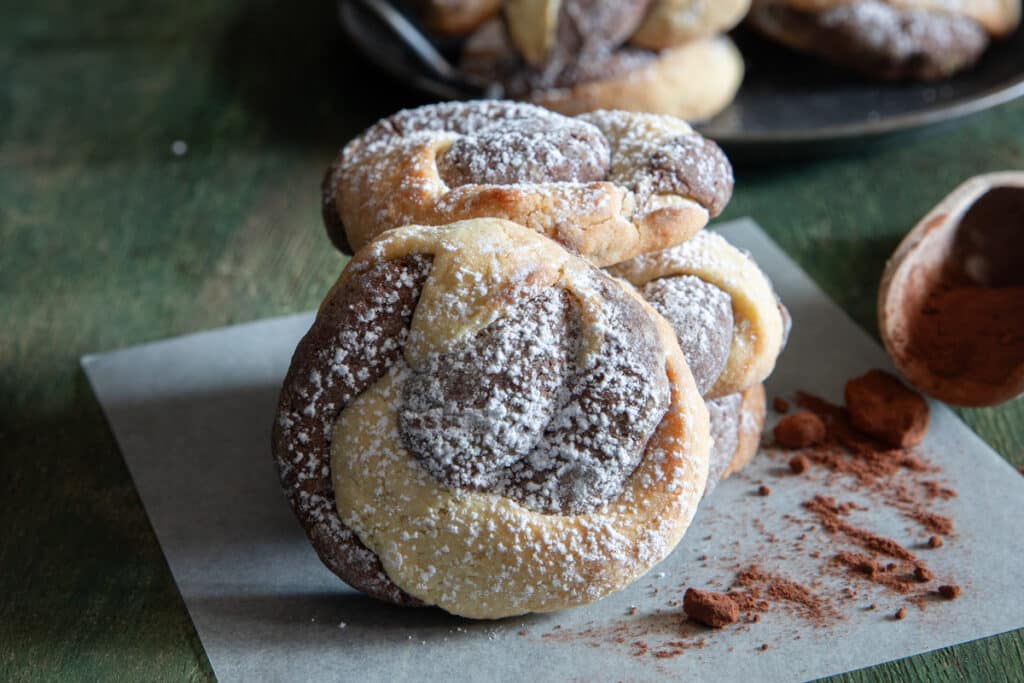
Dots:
(900, 32)
(450, 161)
(523, 410)
(701, 316)
(726, 414)
(353, 342)
(655, 154)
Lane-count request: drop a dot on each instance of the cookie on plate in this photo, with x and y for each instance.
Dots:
(888, 39)
(692, 81)
(670, 23)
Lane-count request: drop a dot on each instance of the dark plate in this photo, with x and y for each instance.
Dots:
(789, 105)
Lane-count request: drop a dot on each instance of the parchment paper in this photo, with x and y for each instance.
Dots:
(192, 416)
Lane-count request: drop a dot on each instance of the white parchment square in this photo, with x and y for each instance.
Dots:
(192, 416)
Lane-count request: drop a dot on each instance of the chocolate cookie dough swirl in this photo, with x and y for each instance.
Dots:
(607, 188)
(481, 421)
(889, 39)
(731, 329)
(726, 315)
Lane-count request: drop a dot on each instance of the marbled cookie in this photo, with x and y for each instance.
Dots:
(887, 39)
(608, 186)
(481, 421)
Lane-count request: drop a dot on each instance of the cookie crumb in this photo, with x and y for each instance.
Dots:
(950, 591)
(871, 607)
(631, 611)
(780, 405)
(763, 490)
(709, 608)
(901, 614)
(764, 646)
(800, 430)
(799, 464)
(523, 631)
(935, 542)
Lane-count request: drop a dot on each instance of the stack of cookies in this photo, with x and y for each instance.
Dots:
(534, 366)
(575, 56)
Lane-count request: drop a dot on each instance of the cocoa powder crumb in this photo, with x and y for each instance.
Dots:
(828, 512)
(932, 522)
(764, 646)
(872, 606)
(631, 611)
(880, 405)
(901, 614)
(936, 490)
(800, 430)
(709, 608)
(763, 490)
(780, 405)
(935, 542)
(799, 464)
(923, 574)
(523, 631)
(950, 591)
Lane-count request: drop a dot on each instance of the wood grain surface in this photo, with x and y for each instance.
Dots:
(108, 239)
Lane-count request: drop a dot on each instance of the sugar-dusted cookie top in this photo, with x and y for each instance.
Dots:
(606, 185)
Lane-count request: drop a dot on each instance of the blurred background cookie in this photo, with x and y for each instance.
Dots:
(885, 38)
(456, 17)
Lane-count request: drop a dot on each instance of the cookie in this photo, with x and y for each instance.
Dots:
(693, 81)
(998, 17)
(549, 34)
(737, 421)
(481, 421)
(690, 286)
(456, 17)
(880, 39)
(670, 23)
(606, 187)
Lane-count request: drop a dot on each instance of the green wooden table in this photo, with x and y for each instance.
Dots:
(108, 239)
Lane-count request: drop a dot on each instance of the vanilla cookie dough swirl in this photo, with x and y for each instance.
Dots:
(606, 186)
(481, 421)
